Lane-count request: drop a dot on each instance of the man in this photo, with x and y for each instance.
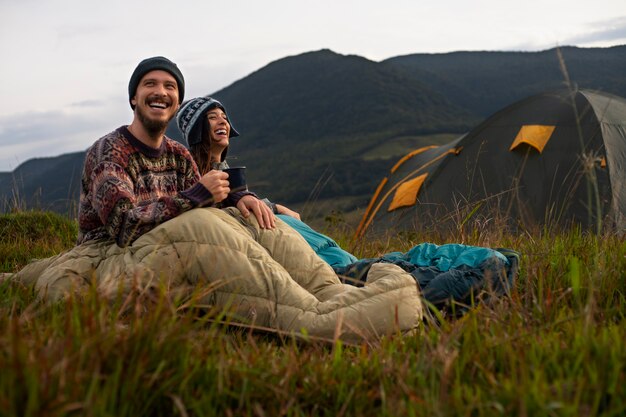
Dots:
(136, 178)
(142, 191)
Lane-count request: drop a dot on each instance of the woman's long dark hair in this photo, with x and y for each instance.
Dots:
(201, 152)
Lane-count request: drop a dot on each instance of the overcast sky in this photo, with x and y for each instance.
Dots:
(66, 63)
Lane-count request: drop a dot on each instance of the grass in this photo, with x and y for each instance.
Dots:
(556, 347)
(29, 235)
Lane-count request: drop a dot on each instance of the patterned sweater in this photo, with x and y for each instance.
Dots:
(129, 188)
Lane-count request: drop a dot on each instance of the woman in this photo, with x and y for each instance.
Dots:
(207, 130)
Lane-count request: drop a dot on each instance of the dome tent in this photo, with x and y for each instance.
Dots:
(556, 159)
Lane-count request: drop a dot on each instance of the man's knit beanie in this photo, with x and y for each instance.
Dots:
(192, 115)
(152, 64)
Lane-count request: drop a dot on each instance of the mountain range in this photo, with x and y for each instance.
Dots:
(320, 129)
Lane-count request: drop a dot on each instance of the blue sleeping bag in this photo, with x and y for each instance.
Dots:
(324, 246)
(445, 273)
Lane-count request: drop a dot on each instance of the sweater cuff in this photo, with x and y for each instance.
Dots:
(233, 198)
(198, 194)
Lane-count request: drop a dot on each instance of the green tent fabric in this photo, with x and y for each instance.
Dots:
(555, 159)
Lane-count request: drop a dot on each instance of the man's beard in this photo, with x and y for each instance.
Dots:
(153, 127)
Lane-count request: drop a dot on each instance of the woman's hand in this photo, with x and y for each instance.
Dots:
(261, 211)
(217, 184)
(284, 210)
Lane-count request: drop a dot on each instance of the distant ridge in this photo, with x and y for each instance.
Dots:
(488, 81)
(325, 126)
(48, 183)
(321, 94)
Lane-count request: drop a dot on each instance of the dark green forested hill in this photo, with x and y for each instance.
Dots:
(51, 183)
(324, 94)
(321, 125)
(484, 82)
(313, 116)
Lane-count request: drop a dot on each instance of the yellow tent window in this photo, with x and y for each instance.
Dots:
(603, 162)
(406, 194)
(536, 136)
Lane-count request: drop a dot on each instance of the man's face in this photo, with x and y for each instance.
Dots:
(156, 100)
(219, 127)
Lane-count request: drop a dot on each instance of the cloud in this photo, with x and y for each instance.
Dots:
(32, 127)
(46, 133)
(610, 30)
(601, 33)
(88, 103)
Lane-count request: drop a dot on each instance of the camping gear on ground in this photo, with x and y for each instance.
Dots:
(552, 160)
(451, 277)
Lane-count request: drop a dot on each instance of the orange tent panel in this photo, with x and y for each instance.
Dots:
(536, 136)
(406, 194)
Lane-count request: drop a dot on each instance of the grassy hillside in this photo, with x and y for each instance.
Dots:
(31, 235)
(557, 346)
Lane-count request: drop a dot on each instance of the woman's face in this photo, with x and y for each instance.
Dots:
(219, 128)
